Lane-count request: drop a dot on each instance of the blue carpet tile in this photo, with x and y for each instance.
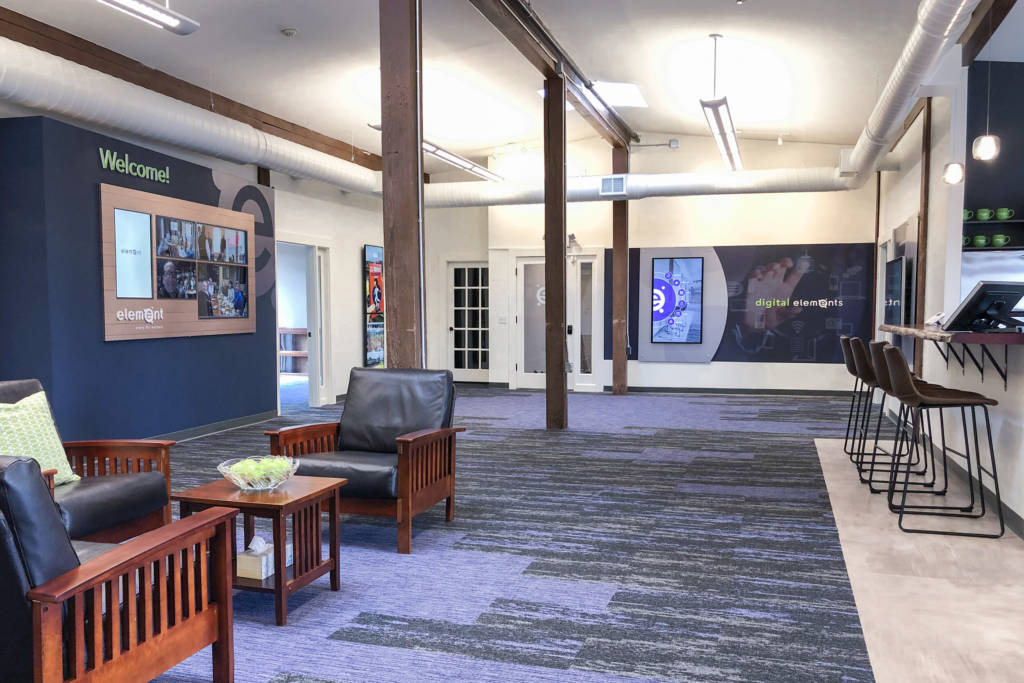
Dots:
(662, 537)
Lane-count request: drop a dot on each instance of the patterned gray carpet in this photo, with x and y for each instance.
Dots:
(682, 537)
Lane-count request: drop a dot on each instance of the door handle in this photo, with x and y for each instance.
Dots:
(568, 329)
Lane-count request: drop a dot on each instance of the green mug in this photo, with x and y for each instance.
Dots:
(985, 214)
(1004, 214)
(967, 241)
(968, 215)
(1000, 240)
(981, 240)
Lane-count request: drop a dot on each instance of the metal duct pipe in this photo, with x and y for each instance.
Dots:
(48, 83)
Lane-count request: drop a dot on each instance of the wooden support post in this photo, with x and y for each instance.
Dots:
(556, 356)
(620, 279)
(922, 234)
(402, 181)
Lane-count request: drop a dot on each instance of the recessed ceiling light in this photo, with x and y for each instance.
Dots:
(155, 14)
(568, 104)
(620, 94)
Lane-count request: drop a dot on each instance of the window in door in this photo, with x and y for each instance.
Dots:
(470, 302)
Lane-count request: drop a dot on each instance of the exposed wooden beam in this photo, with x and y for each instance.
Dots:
(985, 19)
(620, 279)
(402, 179)
(920, 288)
(44, 37)
(517, 21)
(556, 356)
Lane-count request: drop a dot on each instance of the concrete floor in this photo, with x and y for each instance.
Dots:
(933, 608)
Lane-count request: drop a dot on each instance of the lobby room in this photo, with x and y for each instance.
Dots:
(512, 340)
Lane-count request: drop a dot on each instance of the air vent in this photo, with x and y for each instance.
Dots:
(613, 185)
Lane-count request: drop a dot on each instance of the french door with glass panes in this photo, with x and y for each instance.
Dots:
(468, 320)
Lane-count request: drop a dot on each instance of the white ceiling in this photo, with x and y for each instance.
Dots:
(1005, 44)
(805, 69)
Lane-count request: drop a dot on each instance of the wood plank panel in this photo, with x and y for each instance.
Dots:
(49, 39)
(556, 355)
(402, 181)
(177, 317)
(922, 234)
(620, 279)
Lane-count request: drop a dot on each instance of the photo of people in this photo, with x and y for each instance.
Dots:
(175, 279)
(175, 238)
(224, 245)
(223, 291)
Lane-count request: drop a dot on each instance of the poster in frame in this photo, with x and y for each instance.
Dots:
(373, 307)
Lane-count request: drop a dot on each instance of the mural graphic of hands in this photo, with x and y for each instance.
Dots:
(773, 282)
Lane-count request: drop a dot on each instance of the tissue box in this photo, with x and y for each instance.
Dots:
(252, 565)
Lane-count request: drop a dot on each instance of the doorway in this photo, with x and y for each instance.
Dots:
(582, 323)
(302, 291)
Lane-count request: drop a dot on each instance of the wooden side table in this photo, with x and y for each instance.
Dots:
(299, 497)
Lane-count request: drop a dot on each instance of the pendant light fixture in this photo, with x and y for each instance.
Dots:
(986, 147)
(716, 111)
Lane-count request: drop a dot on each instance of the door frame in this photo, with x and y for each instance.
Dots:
(318, 364)
(594, 382)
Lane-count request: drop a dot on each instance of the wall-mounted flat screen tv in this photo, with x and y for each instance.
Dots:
(894, 291)
(677, 291)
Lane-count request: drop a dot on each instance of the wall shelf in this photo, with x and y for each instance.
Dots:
(293, 350)
(1021, 249)
(995, 221)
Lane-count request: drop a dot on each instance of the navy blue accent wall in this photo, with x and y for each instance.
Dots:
(122, 389)
(1000, 182)
(24, 317)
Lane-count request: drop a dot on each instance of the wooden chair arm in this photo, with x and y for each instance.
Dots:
(133, 554)
(425, 435)
(100, 458)
(50, 477)
(303, 439)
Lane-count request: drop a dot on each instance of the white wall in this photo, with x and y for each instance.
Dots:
(291, 284)
(308, 212)
(681, 221)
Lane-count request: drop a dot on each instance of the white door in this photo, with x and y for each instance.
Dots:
(583, 332)
(317, 315)
(468, 321)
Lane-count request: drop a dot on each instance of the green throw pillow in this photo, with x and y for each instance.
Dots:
(27, 430)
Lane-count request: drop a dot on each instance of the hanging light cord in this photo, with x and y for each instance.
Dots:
(988, 94)
(714, 69)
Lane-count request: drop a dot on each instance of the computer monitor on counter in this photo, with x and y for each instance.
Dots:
(990, 307)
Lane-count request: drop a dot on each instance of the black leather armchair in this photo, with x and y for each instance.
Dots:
(394, 443)
(125, 487)
(129, 612)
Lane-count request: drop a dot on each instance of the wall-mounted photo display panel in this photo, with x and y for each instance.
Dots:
(677, 300)
(373, 286)
(173, 268)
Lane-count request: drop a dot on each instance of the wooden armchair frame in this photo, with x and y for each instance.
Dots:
(139, 609)
(123, 456)
(426, 471)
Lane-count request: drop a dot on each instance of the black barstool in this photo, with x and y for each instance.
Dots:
(855, 398)
(918, 400)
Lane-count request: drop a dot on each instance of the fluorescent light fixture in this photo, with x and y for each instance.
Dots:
(720, 122)
(985, 147)
(953, 173)
(620, 94)
(568, 104)
(155, 14)
(454, 159)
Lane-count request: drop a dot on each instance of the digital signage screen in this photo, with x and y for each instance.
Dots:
(677, 290)
(373, 286)
(133, 254)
